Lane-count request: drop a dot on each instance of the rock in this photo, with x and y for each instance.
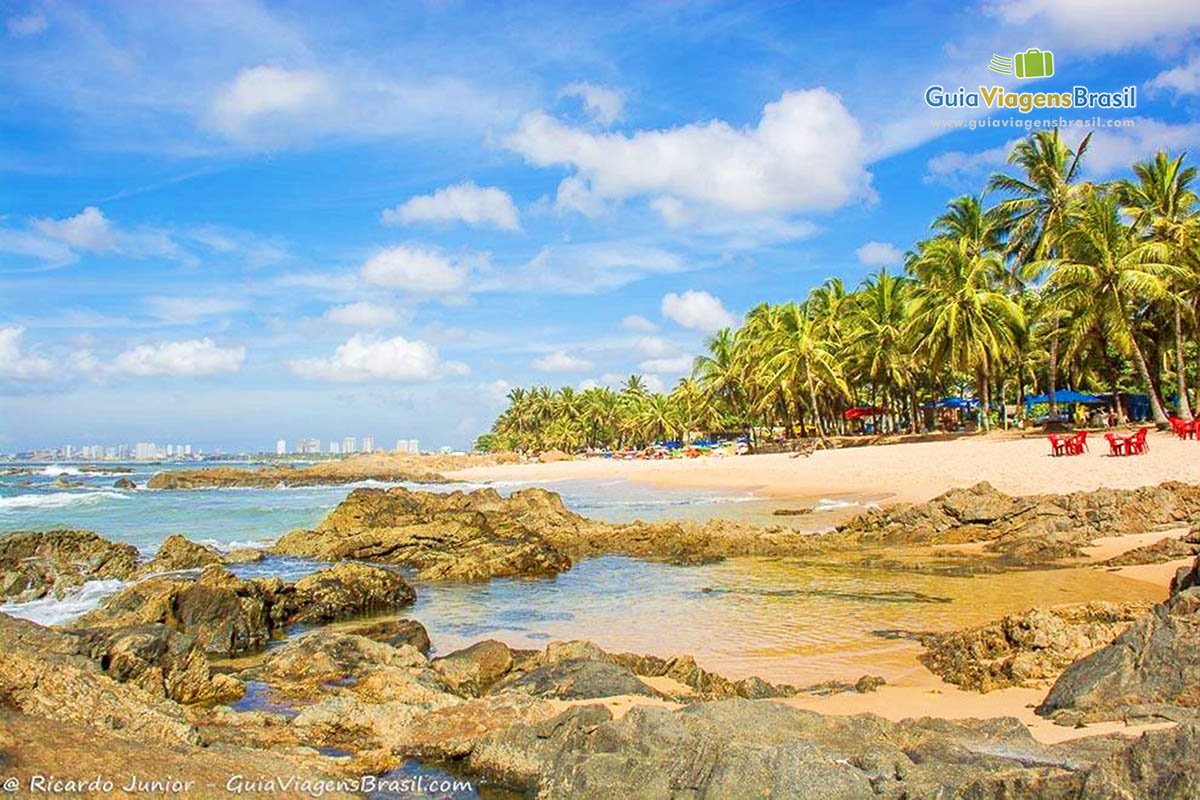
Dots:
(1023, 649)
(34, 564)
(124, 483)
(395, 633)
(270, 477)
(164, 662)
(306, 665)
(1024, 530)
(1150, 670)
(1161, 765)
(178, 553)
(228, 616)
(868, 683)
(1168, 549)
(577, 679)
(454, 536)
(741, 748)
(472, 670)
(1186, 578)
(44, 674)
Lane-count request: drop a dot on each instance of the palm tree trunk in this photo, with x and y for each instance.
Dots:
(812, 398)
(985, 391)
(1052, 376)
(1185, 410)
(1160, 417)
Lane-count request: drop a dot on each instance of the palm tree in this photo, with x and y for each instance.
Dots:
(1162, 204)
(1105, 265)
(960, 319)
(879, 344)
(801, 357)
(1035, 217)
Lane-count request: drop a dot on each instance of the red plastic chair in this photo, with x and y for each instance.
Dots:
(1079, 442)
(1137, 443)
(1058, 447)
(1116, 444)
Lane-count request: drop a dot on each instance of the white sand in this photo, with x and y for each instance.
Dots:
(910, 471)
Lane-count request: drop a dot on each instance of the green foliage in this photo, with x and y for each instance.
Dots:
(1097, 284)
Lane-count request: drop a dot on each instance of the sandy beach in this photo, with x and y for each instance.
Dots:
(912, 472)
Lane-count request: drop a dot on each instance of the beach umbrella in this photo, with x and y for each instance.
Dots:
(863, 411)
(1065, 396)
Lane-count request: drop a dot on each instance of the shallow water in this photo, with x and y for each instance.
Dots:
(781, 619)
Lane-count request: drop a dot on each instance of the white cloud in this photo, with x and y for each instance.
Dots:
(653, 382)
(672, 210)
(89, 230)
(560, 361)
(268, 91)
(190, 309)
(586, 268)
(697, 310)
(654, 346)
(497, 390)
(634, 322)
(1101, 25)
(28, 25)
(806, 152)
(17, 365)
(23, 243)
(1115, 149)
(190, 357)
(466, 202)
(414, 269)
(602, 103)
(676, 364)
(1184, 79)
(879, 254)
(958, 168)
(364, 358)
(361, 315)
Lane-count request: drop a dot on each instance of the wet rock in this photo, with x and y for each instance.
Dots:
(1150, 670)
(164, 662)
(1025, 648)
(472, 670)
(34, 564)
(395, 633)
(177, 553)
(124, 483)
(270, 477)
(228, 616)
(577, 679)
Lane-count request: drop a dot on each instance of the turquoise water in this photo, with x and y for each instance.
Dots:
(244, 517)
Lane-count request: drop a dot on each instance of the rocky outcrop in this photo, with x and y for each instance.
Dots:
(164, 662)
(1186, 577)
(177, 552)
(1027, 648)
(1032, 529)
(34, 564)
(741, 748)
(1150, 670)
(124, 483)
(1168, 549)
(270, 477)
(228, 616)
(480, 535)
(395, 632)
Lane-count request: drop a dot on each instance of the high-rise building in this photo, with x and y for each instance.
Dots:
(301, 445)
(187, 450)
(402, 445)
(69, 451)
(145, 451)
(349, 445)
(414, 446)
(280, 447)
(314, 445)
(333, 448)
(170, 450)
(368, 444)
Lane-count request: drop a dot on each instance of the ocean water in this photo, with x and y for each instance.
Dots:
(781, 619)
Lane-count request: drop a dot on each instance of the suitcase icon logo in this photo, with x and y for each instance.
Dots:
(1033, 63)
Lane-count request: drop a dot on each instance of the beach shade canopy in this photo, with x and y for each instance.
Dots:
(956, 402)
(863, 411)
(1065, 396)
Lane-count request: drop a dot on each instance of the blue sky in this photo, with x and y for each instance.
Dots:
(229, 222)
